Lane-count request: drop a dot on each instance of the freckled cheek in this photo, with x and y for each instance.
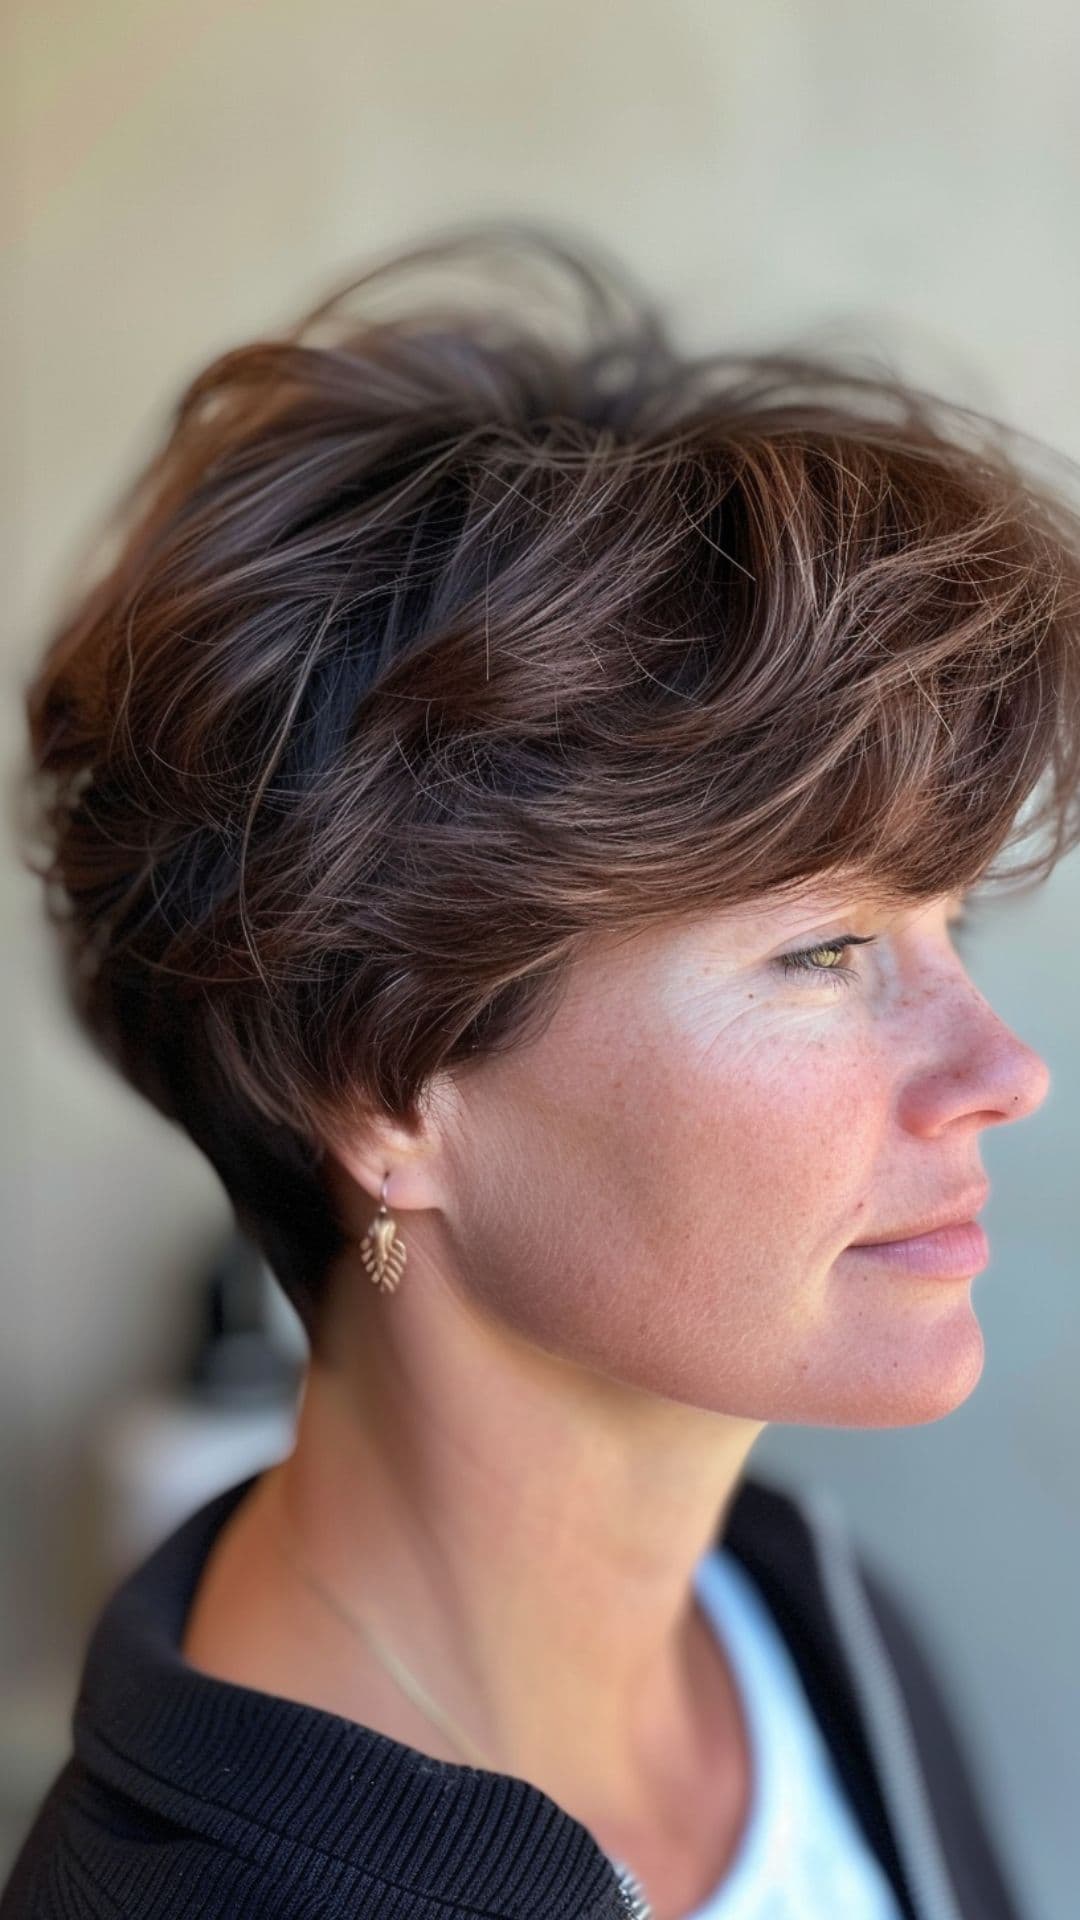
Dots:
(781, 1139)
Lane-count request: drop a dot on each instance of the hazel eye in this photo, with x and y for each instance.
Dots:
(819, 959)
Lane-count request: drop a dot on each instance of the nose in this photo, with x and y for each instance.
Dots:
(981, 1074)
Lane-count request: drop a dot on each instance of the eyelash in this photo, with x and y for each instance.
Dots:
(802, 960)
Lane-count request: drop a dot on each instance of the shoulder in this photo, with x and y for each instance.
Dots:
(94, 1855)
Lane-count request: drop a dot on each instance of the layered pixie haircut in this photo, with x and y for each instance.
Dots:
(440, 636)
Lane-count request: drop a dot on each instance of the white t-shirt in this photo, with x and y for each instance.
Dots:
(802, 1854)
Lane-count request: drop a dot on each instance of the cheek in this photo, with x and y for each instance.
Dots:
(675, 1201)
(770, 1132)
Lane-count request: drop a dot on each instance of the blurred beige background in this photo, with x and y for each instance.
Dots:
(180, 177)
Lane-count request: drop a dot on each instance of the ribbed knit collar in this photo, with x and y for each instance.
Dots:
(323, 1800)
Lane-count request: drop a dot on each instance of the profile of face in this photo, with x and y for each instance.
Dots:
(663, 1189)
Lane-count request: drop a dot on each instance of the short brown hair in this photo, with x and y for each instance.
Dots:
(435, 642)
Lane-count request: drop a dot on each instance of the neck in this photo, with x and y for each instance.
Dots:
(522, 1533)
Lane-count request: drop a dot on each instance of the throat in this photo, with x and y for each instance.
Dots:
(699, 1801)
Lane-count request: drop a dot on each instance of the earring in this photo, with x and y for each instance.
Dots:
(382, 1249)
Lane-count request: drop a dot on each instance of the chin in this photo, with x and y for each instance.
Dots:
(905, 1382)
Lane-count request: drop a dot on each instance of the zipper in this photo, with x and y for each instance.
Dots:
(878, 1690)
(632, 1893)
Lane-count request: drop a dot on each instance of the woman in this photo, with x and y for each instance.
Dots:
(512, 795)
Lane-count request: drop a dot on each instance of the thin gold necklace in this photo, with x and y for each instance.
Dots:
(385, 1654)
(408, 1682)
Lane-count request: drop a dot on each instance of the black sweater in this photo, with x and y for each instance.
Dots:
(189, 1796)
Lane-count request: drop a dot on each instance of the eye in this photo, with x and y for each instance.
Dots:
(824, 958)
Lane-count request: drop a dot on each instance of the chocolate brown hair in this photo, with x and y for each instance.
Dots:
(433, 641)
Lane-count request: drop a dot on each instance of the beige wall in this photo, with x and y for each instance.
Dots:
(903, 179)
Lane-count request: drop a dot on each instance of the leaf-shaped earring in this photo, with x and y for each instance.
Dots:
(382, 1250)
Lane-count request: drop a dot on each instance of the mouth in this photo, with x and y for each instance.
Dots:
(947, 1246)
(948, 1253)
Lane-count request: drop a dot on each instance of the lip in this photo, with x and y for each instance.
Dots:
(961, 1212)
(946, 1243)
(947, 1253)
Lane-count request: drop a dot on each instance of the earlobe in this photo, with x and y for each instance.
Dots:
(399, 1157)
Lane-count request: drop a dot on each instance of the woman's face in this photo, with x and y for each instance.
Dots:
(665, 1186)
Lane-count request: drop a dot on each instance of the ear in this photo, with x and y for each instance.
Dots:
(357, 1161)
